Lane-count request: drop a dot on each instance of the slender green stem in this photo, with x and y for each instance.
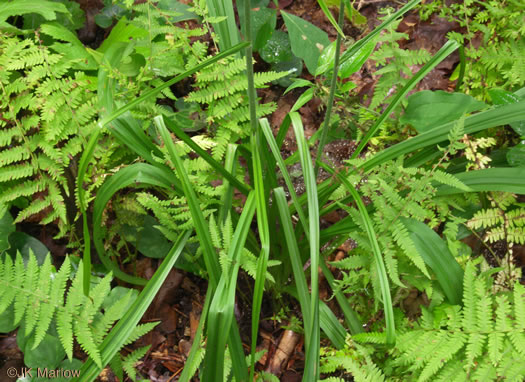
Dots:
(252, 96)
(333, 85)
(462, 65)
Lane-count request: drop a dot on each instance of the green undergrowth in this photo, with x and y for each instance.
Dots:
(157, 144)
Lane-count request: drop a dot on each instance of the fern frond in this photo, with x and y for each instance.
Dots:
(130, 361)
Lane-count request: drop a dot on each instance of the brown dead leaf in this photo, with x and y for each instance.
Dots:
(184, 347)
(168, 317)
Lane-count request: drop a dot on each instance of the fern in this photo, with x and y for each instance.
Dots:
(222, 236)
(499, 61)
(484, 340)
(394, 191)
(47, 112)
(227, 106)
(36, 294)
(395, 63)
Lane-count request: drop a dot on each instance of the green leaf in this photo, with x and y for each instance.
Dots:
(489, 179)
(6, 228)
(46, 9)
(149, 240)
(437, 256)
(122, 32)
(277, 48)
(427, 109)
(307, 40)
(49, 353)
(24, 243)
(348, 66)
(353, 63)
(502, 97)
(516, 155)
(303, 99)
(298, 83)
(326, 59)
(104, 18)
(7, 320)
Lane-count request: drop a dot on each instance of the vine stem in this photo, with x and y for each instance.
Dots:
(333, 84)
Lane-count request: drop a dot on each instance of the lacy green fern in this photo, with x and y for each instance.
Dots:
(395, 63)
(47, 112)
(222, 235)
(394, 191)
(482, 341)
(493, 35)
(222, 88)
(39, 295)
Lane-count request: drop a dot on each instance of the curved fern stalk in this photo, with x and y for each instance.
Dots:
(449, 47)
(125, 328)
(90, 147)
(381, 269)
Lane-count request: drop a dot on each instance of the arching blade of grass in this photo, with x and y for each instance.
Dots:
(138, 173)
(267, 131)
(489, 179)
(478, 122)
(210, 256)
(230, 166)
(295, 257)
(244, 188)
(201, 227)
(434, 251)
(264, 236)
(443, 53)
(128, 131)
(93, 140)
(121, 332)
(353, 322)
(220, 316)
(381, 269)
(311, 372)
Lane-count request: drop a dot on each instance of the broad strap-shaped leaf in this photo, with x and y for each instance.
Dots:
(435, 253)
